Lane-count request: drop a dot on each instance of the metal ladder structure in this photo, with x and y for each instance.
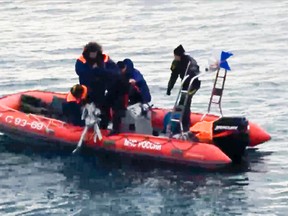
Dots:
(178, 109)
(217, 91)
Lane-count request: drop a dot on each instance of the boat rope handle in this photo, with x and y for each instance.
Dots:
(51, 121)
(7, 109)
(47, 129)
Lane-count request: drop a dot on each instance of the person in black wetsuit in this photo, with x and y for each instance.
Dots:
(184, 65)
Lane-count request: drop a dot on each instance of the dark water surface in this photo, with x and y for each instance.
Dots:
(39, 43)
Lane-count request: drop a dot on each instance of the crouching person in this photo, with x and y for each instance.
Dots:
(75, 100)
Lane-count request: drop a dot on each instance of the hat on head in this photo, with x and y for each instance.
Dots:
(92, 47)
(121, 64)
(179, 51)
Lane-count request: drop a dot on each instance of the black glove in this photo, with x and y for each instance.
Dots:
(168, 92)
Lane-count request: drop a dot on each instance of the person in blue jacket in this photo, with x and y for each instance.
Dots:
(96, 71)
(139, 90)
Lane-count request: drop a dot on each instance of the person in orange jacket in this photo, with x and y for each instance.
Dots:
(75, 100)
(97, 72)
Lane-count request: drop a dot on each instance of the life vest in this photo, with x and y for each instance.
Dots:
(203, 131)
(83, 60)
(105, 57)
(71, 98)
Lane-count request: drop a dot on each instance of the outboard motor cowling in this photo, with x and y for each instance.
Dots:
(231, 135)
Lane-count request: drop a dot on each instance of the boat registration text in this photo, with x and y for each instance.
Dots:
(142, 144)
(36, 125)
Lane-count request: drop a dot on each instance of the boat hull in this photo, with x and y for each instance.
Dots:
(18, 124)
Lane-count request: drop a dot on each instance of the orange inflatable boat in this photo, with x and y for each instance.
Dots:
(15, 121)
(37, 115)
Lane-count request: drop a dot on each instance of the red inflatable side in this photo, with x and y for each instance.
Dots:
(162, 148)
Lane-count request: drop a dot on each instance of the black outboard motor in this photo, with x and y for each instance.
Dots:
(231, 135)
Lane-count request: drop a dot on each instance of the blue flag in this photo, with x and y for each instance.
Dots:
(223, 63)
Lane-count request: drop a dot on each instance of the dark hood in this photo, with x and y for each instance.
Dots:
(129, 64)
